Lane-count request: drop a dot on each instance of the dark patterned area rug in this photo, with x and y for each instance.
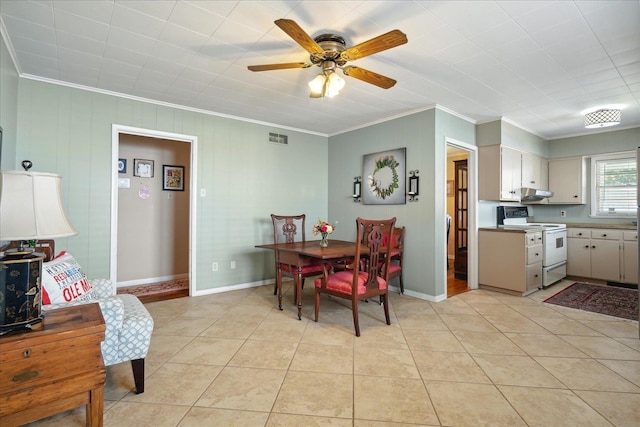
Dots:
(609, 300)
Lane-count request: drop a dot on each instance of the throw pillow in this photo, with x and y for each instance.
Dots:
(63, 281)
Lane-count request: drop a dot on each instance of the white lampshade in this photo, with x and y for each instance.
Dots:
(316, 84)
(334, 85)
(31, 206)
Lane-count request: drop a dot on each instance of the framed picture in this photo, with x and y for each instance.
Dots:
(122, 165)
(384, 177)
(143, 168)
(172, 178)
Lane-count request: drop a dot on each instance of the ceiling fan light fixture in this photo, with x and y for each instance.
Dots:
(317, 83)
(327, 83)
(602, 118)
(335, 83)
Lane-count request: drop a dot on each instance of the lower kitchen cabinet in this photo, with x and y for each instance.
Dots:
(602, 254)
(510, 260)
(630, 257)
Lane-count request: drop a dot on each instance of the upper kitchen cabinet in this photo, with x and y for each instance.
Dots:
(534, 171)
(499, 173)
(567, 180)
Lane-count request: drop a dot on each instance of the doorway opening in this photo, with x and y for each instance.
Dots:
(461, 221)
(153, 208)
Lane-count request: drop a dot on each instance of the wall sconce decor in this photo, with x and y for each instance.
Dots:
(414, 186)
(357, 185)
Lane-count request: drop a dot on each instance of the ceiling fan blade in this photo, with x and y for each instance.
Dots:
(377, 44)
(369, 77)
(299, 35)
(284, 66)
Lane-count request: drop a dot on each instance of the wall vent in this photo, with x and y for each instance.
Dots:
(278, 139)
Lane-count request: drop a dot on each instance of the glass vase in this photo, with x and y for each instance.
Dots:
(325, 241)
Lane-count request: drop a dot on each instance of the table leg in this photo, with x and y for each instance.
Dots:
(279, 286)
(95, 407)
(298, 284)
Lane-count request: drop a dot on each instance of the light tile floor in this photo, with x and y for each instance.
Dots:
(479, 358)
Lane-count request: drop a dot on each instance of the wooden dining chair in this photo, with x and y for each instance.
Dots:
(368, 280)
(397, 254)
(289, 229)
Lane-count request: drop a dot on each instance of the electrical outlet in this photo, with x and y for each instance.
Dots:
(233, 265)
(563, 214)
(214, 266)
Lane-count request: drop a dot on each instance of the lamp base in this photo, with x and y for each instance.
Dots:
(20, 300)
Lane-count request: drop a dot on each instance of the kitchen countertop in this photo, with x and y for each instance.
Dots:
(605, 226)
(521, 229)
(509, 229)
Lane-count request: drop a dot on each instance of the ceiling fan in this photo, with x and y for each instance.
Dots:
(329, 52)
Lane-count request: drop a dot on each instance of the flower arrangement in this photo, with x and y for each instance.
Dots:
(323, 228)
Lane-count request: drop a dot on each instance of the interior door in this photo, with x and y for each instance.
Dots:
(461, 219)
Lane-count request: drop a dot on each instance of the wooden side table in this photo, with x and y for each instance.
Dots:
(54, 368)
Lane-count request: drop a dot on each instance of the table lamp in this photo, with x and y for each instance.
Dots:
(30, 209)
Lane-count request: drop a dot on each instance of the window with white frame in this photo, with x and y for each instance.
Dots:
(614, 185)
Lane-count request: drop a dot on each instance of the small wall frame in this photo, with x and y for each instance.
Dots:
(143, 168)
(172, 178)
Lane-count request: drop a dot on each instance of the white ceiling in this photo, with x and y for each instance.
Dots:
(536, 64)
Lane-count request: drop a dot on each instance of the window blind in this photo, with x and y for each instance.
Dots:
(615, 182)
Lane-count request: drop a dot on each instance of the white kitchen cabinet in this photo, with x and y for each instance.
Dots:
(630, 257)
(510, 260)
(567, 180)
(594, 253)
(499, 173)
(534, 171)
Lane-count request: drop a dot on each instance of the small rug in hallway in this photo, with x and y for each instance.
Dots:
(156, 289)
(609, 300)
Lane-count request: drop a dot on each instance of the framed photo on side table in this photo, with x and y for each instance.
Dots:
(143, 168)
(172, 178)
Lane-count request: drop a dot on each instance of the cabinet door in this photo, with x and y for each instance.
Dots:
(567, 180)
(532, 171)
(605, 259)
(578, 257)
(630, 261)
(511, 174)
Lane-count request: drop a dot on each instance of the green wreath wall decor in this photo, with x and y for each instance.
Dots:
(376, 186)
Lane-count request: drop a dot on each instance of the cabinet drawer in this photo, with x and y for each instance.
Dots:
(534, 238)
(534, 254)
(582, 233)
(534, 276)
(606, 234)
(40, 364)
(630, 235)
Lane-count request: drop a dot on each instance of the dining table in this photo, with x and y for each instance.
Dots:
(297, 254)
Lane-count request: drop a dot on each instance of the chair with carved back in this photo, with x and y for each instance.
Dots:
(367, 278)
(397, 254)
(289, 229)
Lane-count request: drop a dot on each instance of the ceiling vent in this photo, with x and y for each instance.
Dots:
(278, 139)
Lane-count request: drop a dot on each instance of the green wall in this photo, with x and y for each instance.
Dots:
(423, 134)
(8, 108)
(68, 131)
(586, 145)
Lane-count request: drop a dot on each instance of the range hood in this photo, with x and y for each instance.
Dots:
(533, 194)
